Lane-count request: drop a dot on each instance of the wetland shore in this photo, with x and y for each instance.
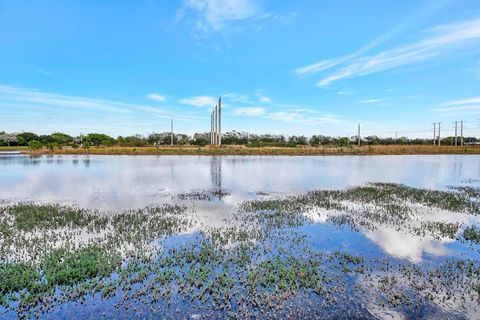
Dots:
(267, 151)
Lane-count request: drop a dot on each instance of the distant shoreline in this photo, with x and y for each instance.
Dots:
(261, 151)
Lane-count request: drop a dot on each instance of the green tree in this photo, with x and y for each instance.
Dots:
(34, 144)
(344, 141)
(61, 138)
(24, 138)
(99, 139)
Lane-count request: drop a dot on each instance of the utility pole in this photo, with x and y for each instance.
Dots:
(456, 133)
(461, 133)
(220, 121)
(171, 132)
(434, 133)
(396, 137)
(439, 141)
(211, 129)
(359, 135)
(215, 126)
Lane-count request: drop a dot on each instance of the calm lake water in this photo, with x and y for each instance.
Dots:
(130, 182)
(124, 182)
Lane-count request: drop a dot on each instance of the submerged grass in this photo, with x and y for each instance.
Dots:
(62, 267)
(370, 206)
(250, 268)
(29, 217)
(472, 233)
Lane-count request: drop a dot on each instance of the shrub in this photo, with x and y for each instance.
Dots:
(34, 144)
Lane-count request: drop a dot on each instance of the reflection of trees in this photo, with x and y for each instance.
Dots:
(86, 161)
(7, 159)
(32, 160)
(216, 173)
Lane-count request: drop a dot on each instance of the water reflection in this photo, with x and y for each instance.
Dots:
(216, 173)
(127, 182)
(404, 245)
(122, 182)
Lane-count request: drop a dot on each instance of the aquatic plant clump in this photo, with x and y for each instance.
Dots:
(203, 195)
(27, 236)
(472, 233)
(367, 207)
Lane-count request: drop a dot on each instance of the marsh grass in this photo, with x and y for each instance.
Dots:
(288, 151)
(12, 148)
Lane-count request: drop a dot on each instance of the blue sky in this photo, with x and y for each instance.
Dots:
(289, 67)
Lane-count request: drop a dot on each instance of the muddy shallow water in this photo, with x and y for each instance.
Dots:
(214, 190)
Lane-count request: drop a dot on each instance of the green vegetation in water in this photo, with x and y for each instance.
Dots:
(29, 216)
(472, 233)
(35, 283)
(203, 195)
(367, 207)
(472, 192)
(62, 267)
(249, 268)
(29, 231)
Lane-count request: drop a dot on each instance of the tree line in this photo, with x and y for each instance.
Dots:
(58, 139)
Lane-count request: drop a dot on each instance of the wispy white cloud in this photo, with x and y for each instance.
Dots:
(16, 94)
(408, 23)
(303, 118)
(235, 97)
(16, 97)
(291, 114)
(227, 17)
(249, 111)
(253, 99)
(440, 41)
(469, 106)
(460, 102)
(345, 92)
(265, 99)
(285, 116)
(458, 108)
(42, 111)
(215, 15)
(199, 101)
(370, 101)
(156, 97)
